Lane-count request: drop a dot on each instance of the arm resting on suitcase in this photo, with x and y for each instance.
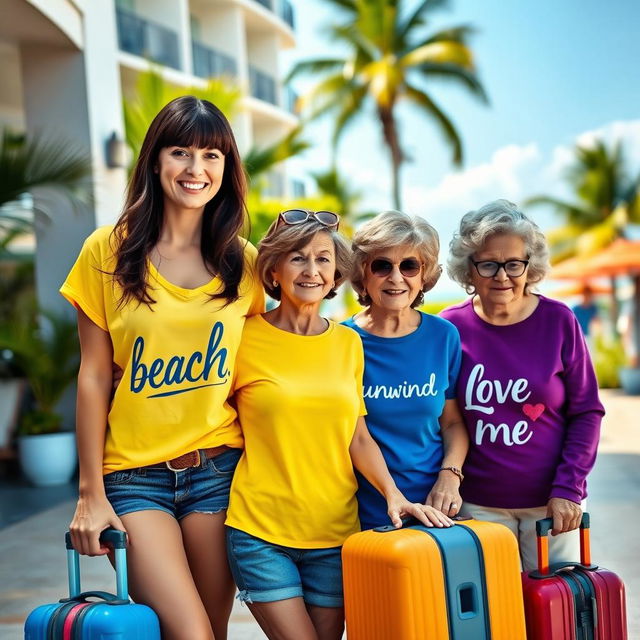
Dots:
(368, 460)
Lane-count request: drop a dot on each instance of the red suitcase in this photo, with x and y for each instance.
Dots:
(572, 601)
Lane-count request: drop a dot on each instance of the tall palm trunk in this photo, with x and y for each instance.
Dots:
(391, 138)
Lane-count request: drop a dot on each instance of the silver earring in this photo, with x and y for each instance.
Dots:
(275, 284)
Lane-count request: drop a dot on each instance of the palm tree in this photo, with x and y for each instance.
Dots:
(36, 162)
(606, 201)
(390, 59)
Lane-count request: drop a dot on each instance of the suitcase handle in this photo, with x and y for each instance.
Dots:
(108, 598)
(412, 521)
(114, 537)
(542, 534)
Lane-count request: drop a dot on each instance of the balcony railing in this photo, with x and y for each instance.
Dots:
(285, 11)
(208, 62)
(282, 8)
(262, 86)
(143, 38)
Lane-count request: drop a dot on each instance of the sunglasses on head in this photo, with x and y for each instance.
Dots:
(298, 216)
(382, 267)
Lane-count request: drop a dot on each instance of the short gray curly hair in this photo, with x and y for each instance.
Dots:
(392, 229)
(499, 216)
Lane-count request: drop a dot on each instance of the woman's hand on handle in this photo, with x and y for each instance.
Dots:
(93, 515)
(399, 507)
(566, 515)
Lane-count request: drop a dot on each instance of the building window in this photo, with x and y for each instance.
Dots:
(146, 39)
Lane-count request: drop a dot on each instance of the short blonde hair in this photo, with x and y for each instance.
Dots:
(282, 240)
(391, 229)
(496, 217)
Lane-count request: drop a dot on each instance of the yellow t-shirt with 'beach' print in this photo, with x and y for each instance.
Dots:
(177, 355)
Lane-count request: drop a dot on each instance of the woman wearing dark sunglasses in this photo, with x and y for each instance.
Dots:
(527, 386)
(411, 366)
(298, 391)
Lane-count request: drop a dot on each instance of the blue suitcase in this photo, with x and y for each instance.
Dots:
(111, 616)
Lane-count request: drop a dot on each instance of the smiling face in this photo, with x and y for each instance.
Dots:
(501, 288)
(307, 275)
(189, 176)
(393, 290)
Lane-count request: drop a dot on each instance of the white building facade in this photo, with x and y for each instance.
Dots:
(65, 65)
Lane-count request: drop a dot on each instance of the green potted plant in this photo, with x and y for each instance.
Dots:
(46, 350)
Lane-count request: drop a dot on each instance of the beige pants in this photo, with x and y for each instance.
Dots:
(522, 522)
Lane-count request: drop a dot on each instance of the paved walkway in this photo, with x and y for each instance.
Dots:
(34, 566)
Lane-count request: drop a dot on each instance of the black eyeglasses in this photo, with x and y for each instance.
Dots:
(382, 267)
(298, 216)
(490, 268)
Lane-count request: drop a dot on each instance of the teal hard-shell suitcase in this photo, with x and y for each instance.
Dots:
(93, 615)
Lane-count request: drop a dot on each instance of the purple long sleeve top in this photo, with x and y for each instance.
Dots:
(529, 397)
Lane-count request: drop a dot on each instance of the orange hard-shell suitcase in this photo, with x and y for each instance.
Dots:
(419, 583)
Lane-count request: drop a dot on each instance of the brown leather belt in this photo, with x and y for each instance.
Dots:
(193, 458)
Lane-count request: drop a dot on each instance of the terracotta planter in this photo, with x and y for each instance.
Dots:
(48, 459)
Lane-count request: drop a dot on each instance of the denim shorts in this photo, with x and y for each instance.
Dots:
(267, 572)
(203, 489)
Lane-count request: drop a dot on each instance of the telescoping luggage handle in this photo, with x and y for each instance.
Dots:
(115, 538)
(543, 527)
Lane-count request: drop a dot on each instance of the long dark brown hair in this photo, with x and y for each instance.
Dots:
(184, 122)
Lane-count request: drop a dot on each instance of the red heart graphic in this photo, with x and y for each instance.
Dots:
(533, 411)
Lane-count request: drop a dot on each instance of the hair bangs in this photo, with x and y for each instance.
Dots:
(201, 128)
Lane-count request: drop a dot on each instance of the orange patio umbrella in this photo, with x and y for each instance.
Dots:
(571, 269)
(579, 288)
(621, 257)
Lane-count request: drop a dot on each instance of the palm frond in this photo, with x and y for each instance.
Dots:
(460, 34)
(567, 210)
(350, 110)
(313, 67)
(445, 125)
(456, 74)
(418, 18)
(326, 95)
(28, 163)
(363, 47)
(258, 161)
(444, 52)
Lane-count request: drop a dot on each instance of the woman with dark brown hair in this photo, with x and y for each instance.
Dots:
(164, 295)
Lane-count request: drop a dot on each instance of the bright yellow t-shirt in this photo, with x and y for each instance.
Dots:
(298, 400)
(177, 356)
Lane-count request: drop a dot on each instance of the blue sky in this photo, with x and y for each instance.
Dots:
(556, 71)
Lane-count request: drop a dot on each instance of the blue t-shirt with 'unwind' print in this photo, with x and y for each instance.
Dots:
(406, 383)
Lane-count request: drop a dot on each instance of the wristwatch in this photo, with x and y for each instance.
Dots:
(454, 470)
